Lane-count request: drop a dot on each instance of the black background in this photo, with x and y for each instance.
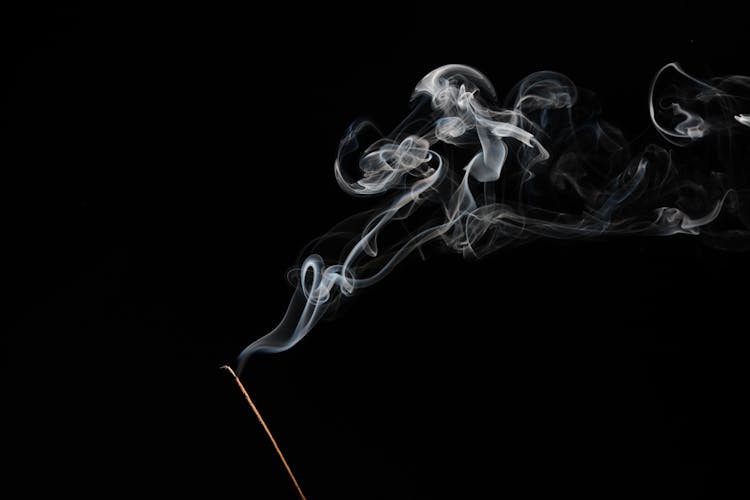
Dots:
(162, 170)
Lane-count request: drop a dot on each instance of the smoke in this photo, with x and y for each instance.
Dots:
(475, 176)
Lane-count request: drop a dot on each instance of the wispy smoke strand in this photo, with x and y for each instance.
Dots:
(545, 165)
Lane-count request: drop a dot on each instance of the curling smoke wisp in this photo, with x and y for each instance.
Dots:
(474, 175)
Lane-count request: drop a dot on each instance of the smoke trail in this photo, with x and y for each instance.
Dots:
(543, 165)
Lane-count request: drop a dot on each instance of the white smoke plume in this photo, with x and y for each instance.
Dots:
(475, 176)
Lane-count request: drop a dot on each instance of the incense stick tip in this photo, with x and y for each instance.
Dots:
(229, 369)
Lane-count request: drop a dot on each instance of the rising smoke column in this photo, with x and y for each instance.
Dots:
(476, 176)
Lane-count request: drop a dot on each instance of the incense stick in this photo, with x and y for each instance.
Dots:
(265, 427)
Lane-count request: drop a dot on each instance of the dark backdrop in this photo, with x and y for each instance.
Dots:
(163, 168)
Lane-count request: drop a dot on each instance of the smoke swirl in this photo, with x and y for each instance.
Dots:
(477, 176)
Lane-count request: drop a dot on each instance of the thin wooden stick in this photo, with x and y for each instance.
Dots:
(265, 427)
